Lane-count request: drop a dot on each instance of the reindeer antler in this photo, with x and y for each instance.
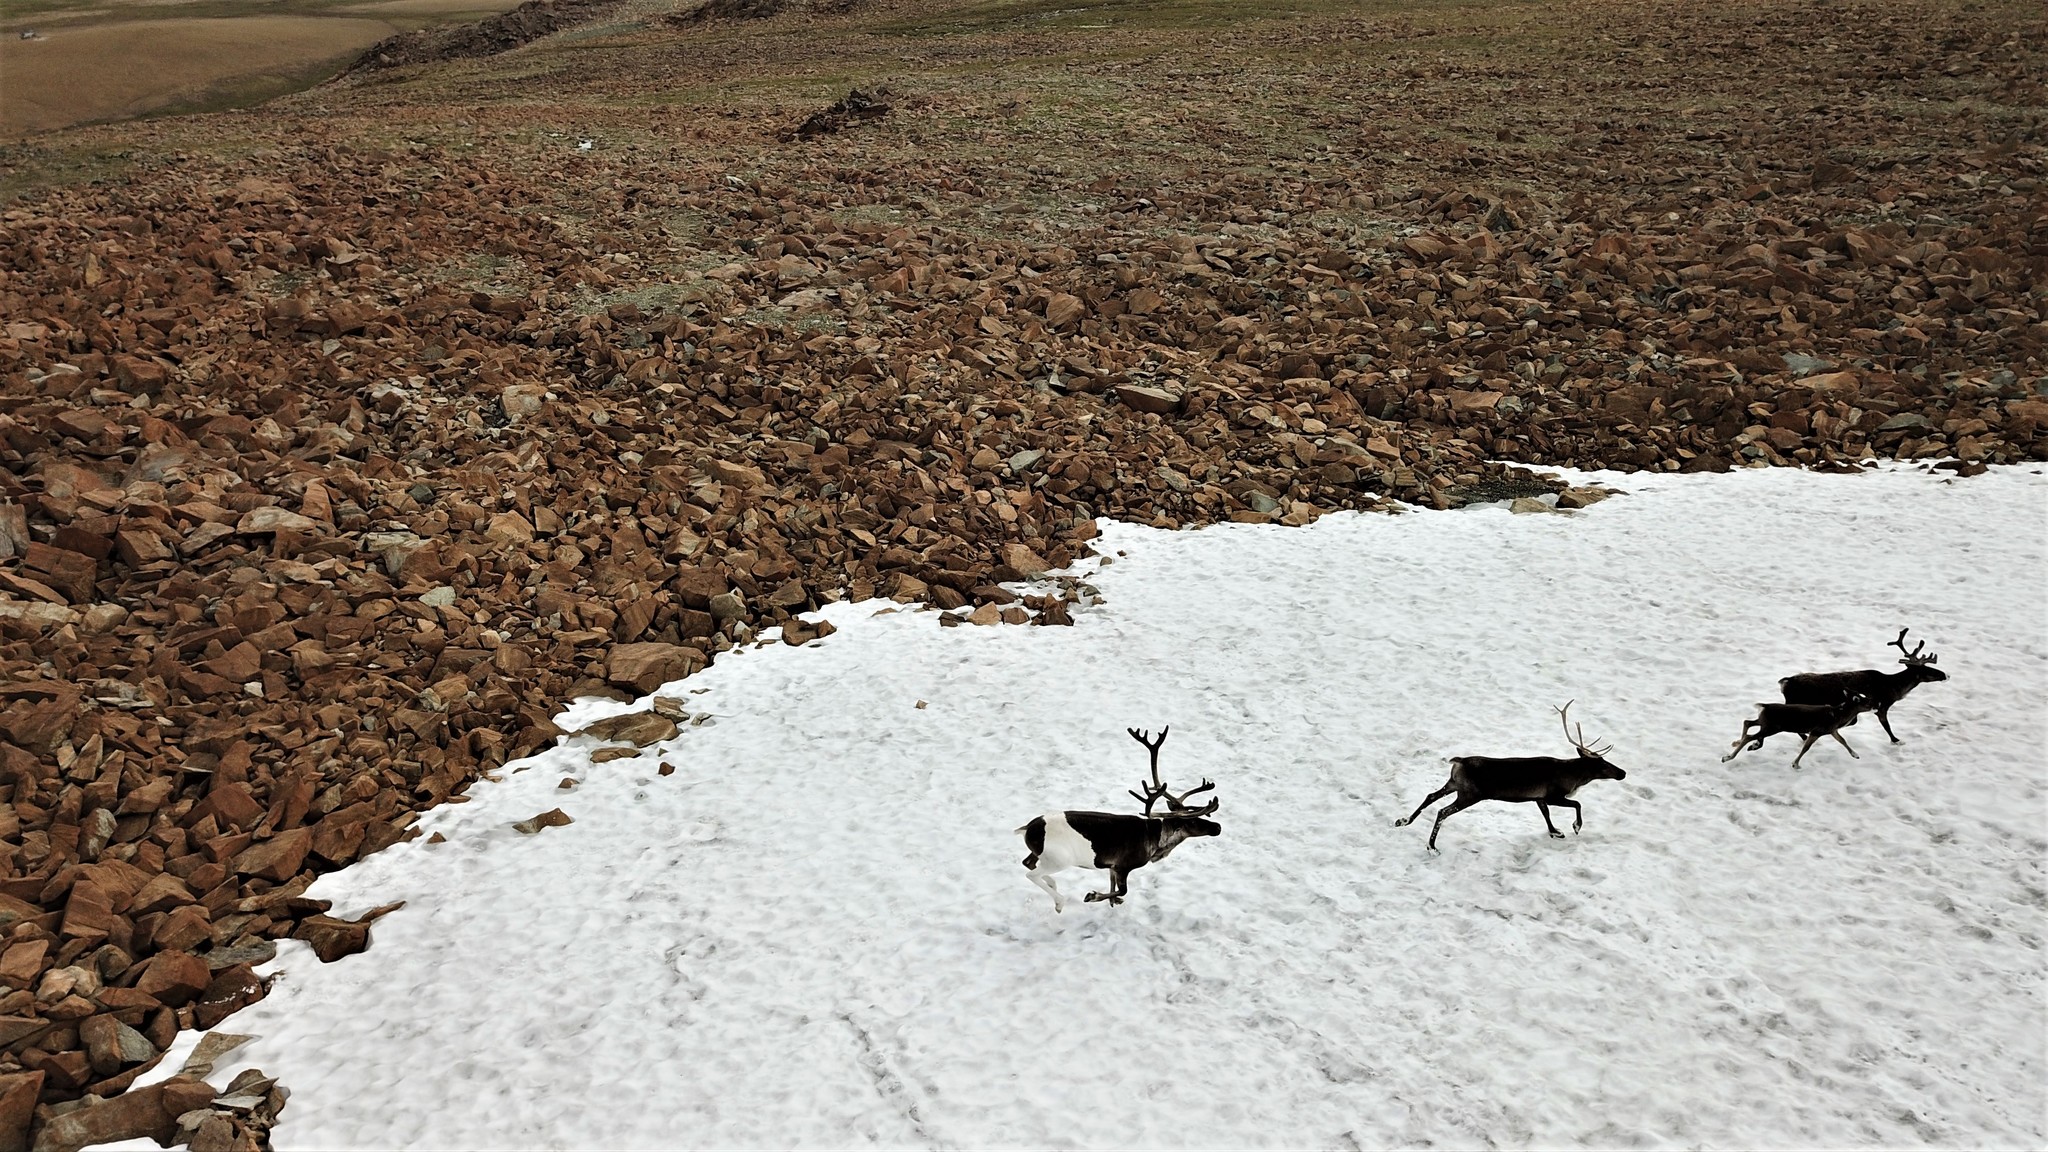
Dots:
(1156, 790)
(1579, 741)
(1151, 746)
(1913, 658)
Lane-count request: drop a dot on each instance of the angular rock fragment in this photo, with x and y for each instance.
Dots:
(552, 818)
(639, 729)
(648, 665)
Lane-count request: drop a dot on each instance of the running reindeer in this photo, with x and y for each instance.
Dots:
(1812, 721)
(1539, 780)
(1880, 690)
(1118, 843)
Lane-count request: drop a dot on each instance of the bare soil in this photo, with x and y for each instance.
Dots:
(112, 71)
(489, 37)
(113, 61)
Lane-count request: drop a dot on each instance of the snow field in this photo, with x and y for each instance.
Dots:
(817, 932)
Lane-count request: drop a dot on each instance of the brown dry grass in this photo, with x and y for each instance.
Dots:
(109, 71)
(100, 60)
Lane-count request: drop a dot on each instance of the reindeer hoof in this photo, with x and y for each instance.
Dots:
(1557, 835)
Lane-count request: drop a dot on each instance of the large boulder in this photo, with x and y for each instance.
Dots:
(174, 977)
(278, 858)
(648, 666)
(636, 728)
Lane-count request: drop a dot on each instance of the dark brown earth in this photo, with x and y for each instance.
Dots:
(346, 440)
(502, 33)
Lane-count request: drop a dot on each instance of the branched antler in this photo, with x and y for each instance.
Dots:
(1151, 746)
(1177, 805)
(1913, 658)
(1156, 789)
(1578, 741)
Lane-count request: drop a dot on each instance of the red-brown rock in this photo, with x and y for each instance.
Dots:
(18, 1093)
(276, 859)
(174, 977)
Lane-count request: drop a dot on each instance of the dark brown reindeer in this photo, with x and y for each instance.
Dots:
(1113, 841)
(1880, 690)
(1812, 721)
(1539, 780)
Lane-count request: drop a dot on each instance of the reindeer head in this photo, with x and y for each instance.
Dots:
(1594, 758)
(1920, 667)
(1854, 704)
(1178, 809)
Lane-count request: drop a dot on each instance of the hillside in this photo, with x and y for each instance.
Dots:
(348, 438)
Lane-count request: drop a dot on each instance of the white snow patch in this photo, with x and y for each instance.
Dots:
(818, 930)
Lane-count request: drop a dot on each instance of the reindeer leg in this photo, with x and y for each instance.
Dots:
(1805, 746)
(1460, 806)
(1740, 741)
(1845, 745)
(1435, 796)
(1543, 806)
(1884, 718)
(1115, 895)
(1045, 882)
(1578, 813)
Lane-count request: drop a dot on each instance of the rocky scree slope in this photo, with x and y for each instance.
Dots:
(299, 534)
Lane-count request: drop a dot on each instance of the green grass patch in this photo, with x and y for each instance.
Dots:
(30, 168)
(249, 91)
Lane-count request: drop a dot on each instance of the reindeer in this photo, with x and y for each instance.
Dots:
(1539, 780)
(1812, 721)
(1880, 690)
(1118, 843)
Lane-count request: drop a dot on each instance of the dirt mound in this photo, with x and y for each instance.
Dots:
(856, 106)
(734, 10)
(762, 9)
(522, 25)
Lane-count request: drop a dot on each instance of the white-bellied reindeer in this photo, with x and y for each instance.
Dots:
(1880, 690)
(1112, 841)
(1539, 780)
